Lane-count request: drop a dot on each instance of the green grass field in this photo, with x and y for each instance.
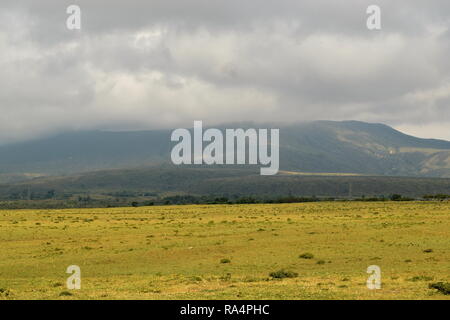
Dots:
(227, 251)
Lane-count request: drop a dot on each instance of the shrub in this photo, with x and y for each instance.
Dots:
(442, 287)
(306, 255)
(196, 278)
(321, 262)
(226, 277)
(4, 292)
(420, 278)
(281, 274)
(225, 260)
(396, 197)
(65, 293)
(428, 250)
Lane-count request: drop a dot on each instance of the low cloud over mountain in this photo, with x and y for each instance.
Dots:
(162, 64)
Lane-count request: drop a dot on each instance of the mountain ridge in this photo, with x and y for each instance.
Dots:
(318, 146)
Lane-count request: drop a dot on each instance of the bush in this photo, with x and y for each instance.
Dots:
(306, 255)
(225, 260)
(436, 196)
(4, 292)
(226, 277)
(396, 197)
(281, 274)
(442, 287)
(196, 278)
(420, 278)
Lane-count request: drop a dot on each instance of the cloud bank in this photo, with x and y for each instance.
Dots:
(163, 64)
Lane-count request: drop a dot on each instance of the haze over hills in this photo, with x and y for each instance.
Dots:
(321, 146)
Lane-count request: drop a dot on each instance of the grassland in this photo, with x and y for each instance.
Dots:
(227, 251)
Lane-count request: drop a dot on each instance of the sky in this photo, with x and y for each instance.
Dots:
(137, 65)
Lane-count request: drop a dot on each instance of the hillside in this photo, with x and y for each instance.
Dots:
(163, 181)
(321, 146)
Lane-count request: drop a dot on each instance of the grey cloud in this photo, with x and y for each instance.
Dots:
(155, 64)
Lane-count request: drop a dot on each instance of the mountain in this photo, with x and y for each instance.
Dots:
(358, 147)
(320, 146)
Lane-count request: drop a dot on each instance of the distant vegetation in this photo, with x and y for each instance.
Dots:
(436, 196)
(172, 185)
(138, 200)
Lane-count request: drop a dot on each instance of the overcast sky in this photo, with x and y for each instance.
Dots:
(163, 64)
